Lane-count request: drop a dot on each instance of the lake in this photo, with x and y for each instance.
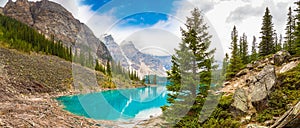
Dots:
(121, 105)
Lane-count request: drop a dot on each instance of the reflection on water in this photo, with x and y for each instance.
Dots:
(118, 104)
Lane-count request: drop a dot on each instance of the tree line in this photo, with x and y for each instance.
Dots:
(270, 42)
(193, 63)
(117, 69)
(24, 38)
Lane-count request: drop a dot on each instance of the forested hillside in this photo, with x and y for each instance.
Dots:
(19, 36)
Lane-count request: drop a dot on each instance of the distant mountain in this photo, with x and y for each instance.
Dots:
(115, 50)
(131, 57)
(144, 63)
(54, 21)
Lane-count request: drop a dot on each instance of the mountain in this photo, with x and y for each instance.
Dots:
(54, 21)
(115, 50)
(144, 63)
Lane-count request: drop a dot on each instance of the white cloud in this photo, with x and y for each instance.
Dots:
(245, 14)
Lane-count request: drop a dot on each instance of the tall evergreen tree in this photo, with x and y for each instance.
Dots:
(235, 63)
(266, 45)
(279, 46)
(193, 60)
(225, 66)
(108, 68)
(253, 50)
(297, 29)
(289, 34)
(244, 49)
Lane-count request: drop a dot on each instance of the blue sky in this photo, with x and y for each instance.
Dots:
(158, 22)
(141, 13)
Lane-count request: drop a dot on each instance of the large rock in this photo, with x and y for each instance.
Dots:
(260, 87)
(115, 50)
(240, 104)
(242, 72)
(289, 66)
(290, 119)
(145, 63)
(281, 57)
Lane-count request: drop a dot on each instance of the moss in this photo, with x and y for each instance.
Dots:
(221, 117)
(286, 94)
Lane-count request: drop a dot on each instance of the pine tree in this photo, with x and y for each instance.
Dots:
(266, 45)
(225, 66)
(154, 79)
(253, 51)
(289, 34)
(108, 68)
(193, 60)
(174, 76)
(297, 29)
(235, 63)
(244, 49)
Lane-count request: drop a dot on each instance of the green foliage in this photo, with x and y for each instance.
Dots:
(235, 63)
(224, 67)
(289, 34)
(266, 45)
(99, 67)
(288, 91)
(254, 54)
(278, 44)
(193, 54)
(108, 68)
(244, 49)
(297, 29)
(24, 38)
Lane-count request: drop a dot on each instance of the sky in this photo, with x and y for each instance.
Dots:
(154, 25)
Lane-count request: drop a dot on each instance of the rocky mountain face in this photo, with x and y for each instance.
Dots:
(115, 50)
(145, 63)
(130, 57)
(253, 86)
(53, 20)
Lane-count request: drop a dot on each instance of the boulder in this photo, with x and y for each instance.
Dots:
(242, 72)
(261, 86)
(250, 66)
(239, 105)
(281, 57)
(290, 119)
(288, 66)
(255, 126)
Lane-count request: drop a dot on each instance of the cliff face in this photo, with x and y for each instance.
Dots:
(115, 50)
(143, 63)
(264, 90)
(52, 19)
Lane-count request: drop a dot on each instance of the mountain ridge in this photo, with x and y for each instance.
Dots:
(132, 58)
(54, 21)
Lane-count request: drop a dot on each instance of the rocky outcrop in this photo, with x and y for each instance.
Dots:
(289, 66)
(53, 20)
(115, 50)
(260, 87)
(255, 94)
(240, 104)
(281, 57)
(20, 10)
(143, 63)
(290, 119)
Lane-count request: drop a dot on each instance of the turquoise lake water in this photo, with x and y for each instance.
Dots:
(123, 104)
